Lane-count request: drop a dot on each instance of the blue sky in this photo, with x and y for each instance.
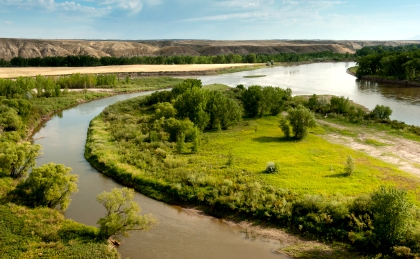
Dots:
(210, 19)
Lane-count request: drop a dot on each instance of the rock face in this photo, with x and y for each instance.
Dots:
(30, 48)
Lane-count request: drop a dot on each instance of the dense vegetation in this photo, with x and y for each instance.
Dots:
(251, 170)
(401, 63)
(30, 226)
(87, 61)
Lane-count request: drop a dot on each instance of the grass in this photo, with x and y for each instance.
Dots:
(312, 166)
(216, 87)
(227, 176)
(353, 69)
(375, 143)
(240, 69)
(45, 233)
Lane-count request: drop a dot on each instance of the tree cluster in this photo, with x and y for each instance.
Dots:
(88, 61)
(402, 63)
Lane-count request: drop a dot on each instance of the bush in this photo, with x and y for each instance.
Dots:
(272, 167)
(392, 217)
(349, 169)
(381, 112)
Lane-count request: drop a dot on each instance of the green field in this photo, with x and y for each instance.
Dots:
(312, 166)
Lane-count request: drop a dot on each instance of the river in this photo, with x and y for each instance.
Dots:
(331, 78)
(181, 234)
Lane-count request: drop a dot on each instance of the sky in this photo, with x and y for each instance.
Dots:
(211, 19)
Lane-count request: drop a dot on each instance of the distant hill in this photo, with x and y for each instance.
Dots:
(31, 48)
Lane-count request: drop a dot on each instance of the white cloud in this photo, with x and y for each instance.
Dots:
(286, 12)
(97, 8)
(8, 22)
(133, 6)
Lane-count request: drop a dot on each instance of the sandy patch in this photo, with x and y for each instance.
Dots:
(13, 72)
(403, 153)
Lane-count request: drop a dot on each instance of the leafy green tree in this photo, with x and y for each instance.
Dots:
(9, 119)
(192, 105)
(164, 109)
(301, 118)
(49, 185)
(176, 127)
(122, 213)
(185, 85)
(251, 99)
(340, 105)
(381, 112)
(17, 158)
(224, 111)
(392, 217)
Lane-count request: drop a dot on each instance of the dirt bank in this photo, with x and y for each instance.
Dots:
(32, 48)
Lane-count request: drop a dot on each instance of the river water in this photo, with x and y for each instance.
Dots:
(331, 78)
(181, 234)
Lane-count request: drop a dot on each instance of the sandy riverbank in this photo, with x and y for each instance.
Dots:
(13, 72)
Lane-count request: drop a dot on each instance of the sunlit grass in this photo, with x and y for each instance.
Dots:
(309, 166)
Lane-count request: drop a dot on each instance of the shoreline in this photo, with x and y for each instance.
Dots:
(385, 80)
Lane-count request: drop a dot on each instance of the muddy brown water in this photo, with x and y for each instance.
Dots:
(331, 78)
(181, 234)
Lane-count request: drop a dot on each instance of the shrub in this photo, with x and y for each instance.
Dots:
(381, 112)
(272, 167)
(349, 169)
(392, 217)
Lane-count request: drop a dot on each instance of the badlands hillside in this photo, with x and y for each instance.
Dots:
(29, 48)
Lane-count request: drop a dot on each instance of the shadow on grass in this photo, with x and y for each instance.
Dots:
(273, 139)
(339, 175)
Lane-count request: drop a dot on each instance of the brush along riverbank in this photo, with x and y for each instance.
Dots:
(310, 194)
(43, 232)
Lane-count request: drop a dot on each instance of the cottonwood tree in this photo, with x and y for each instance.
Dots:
(17, 158)
(49, 185)
(122, 213)
(381, 112)
(300, 119)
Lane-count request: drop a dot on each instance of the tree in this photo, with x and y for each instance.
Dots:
(391, 217)
(17, 158)
(192, 104)
(381, 112)
(300, 118)
(122, 213)
(340, 105)
(48, 186)
(251, 99)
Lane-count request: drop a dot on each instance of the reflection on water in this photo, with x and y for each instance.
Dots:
(331, 78)
(180, 234)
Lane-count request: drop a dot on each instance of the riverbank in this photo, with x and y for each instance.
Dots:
(381, 80)
(122, 71)
(226, 177)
